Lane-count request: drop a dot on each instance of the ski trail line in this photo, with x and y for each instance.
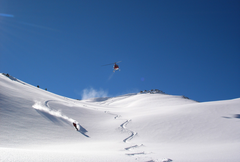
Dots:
(124, 126)
(133, 147)
(45, 108)
(131, 152)
(133, 134)
(56, 113)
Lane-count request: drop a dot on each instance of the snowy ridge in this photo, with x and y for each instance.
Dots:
(37, 125)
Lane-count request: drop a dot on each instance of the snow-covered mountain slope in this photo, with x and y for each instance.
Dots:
(37, 125)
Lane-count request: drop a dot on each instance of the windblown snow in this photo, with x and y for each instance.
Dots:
(37, 125)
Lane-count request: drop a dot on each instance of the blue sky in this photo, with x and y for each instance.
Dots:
(187, 47)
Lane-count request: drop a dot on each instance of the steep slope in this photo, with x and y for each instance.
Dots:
(37, 125)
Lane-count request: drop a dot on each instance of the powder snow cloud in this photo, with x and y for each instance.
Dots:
(93, 93)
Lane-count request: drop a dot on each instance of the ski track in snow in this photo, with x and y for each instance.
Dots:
(129, 138)
(44, 107)
(133, 147)
(56, 113)
(138, 153)
(124, 127)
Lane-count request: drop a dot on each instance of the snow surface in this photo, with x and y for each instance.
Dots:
(37, 125)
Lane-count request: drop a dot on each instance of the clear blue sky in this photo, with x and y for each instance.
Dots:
(187, 47)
